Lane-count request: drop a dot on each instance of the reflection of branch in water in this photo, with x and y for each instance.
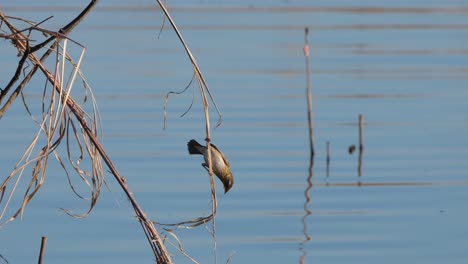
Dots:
(307, 212)
(4, 259)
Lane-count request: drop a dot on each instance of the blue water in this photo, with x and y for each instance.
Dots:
(402, 65)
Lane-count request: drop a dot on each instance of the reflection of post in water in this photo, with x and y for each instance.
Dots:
(361, 143)
(307, 212)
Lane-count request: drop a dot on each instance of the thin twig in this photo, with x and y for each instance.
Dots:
(203, 91)
(181, 92)
(192, 59)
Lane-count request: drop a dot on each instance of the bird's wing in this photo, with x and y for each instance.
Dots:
(222, 155)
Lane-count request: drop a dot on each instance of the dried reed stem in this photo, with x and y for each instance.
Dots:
(20, 41)
(203, 91)
(198, 73)
(214, 200)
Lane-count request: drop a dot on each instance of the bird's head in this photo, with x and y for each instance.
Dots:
(228, 181)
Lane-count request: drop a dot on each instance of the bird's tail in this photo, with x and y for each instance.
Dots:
(194, 147)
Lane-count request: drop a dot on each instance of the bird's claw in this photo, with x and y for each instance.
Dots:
(204, 165)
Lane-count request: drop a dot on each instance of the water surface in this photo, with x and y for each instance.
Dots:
(402, 65)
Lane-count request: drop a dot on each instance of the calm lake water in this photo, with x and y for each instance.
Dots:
(403, 65)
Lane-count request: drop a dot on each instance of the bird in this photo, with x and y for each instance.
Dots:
(220, 163)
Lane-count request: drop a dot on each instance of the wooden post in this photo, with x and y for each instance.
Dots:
(361, 143)
(361, 124)
(328, 158)
(41, 252)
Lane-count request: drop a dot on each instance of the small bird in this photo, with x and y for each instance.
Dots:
(221, 167)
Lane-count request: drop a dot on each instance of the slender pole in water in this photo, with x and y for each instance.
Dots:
(328, 158)
(309, 96)
(41, 252)
(361, 143)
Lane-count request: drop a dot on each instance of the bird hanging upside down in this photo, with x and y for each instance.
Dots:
(221, 167)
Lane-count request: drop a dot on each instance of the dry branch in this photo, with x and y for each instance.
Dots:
(203, 91)
(58, 120)
(21, 41)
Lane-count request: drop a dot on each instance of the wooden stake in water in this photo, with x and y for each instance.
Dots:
(361, 124)
(328, 158)
(309, 96)
(361, 143)
(41, 252)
